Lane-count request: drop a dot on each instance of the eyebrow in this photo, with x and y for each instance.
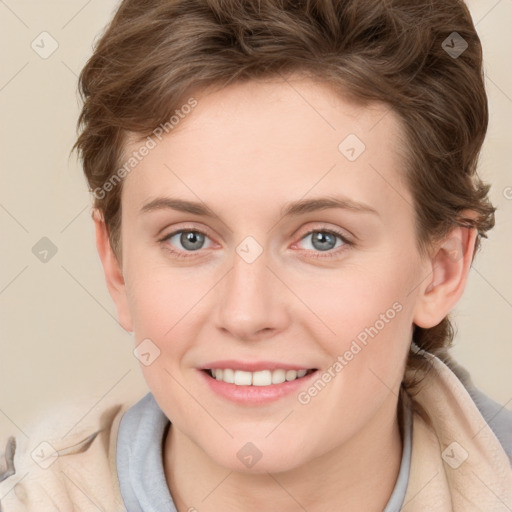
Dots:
(294, 208)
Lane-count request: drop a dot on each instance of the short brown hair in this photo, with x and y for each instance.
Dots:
(154, 52)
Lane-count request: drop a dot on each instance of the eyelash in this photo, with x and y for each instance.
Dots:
(315, 254)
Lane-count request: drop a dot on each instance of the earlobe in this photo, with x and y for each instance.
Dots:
(449, 270)
(112, 270)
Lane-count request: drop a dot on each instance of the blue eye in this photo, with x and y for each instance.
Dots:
(323, 241)
(184, 242)
(190, 240)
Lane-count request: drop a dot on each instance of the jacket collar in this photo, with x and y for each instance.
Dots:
(457, 462)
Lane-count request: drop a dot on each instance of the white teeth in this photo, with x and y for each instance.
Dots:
(243, 378)
(278, 376)
(263, 378)
(259, 378)
(228, 376)
(291, 374)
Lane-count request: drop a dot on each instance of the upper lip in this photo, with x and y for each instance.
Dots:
(253, 366)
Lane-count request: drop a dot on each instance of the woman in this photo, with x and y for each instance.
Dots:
(286, 210)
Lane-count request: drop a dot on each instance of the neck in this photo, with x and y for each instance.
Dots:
(337, 480)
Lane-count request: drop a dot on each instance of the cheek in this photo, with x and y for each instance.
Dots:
(160, 299)
(353, 303)
(168, 311)
(162, 308)
(366, 317)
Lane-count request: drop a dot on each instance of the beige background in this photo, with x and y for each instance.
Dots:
(60, 342)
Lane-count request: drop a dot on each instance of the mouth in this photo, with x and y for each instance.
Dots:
(259, 378)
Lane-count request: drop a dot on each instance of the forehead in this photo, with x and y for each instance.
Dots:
(274, 139)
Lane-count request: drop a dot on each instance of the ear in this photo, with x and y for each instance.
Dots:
(113, 271)
(449, 268)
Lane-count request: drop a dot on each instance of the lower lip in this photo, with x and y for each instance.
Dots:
(255, 395)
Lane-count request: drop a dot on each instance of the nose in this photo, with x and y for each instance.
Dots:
(252, 302)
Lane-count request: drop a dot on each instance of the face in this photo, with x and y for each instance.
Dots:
(304, 260)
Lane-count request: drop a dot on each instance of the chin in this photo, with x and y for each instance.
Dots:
(258, 457)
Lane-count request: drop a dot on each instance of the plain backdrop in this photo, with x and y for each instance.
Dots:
(60, 342)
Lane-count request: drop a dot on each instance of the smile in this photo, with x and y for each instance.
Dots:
(258, 378)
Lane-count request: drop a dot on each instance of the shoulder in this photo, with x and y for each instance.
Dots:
(497, 416)
(49, 469)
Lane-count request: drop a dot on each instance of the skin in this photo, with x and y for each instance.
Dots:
(246, 151)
